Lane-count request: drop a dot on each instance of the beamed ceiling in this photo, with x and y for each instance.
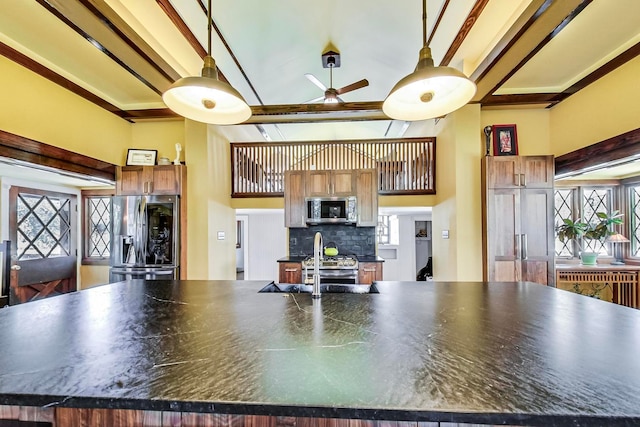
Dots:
(122, 55)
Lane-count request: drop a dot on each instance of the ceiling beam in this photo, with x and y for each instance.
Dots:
(533, 30)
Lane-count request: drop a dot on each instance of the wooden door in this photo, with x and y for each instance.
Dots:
(536, 171)
(367, 198)
(290, 272)
(165, 179)
(369, 272)
(42, 225)
(342, 183)
(318, 183)
(537, 243)
(130, 180)
(503, 230)
(294, 205)
(502, 172)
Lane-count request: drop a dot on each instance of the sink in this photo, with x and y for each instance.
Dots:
(328, 288)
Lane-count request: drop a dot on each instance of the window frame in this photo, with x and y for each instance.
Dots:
(85, 196)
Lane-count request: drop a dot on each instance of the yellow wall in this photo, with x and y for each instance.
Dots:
(457, 211)
(532, 128)
(604, 109)
(159, 135)
(36, 108)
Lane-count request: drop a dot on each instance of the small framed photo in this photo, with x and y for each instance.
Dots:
(141, 157)
(505, 140)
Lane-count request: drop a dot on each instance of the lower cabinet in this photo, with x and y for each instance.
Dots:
(290, 272)
(368, 272)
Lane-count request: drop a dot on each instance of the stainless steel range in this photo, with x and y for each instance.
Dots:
(336, 269)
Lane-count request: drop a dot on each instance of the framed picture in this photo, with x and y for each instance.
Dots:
(141, 157)
(505, 140)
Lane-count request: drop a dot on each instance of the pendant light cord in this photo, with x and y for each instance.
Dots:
(209, 29)
(424, 22)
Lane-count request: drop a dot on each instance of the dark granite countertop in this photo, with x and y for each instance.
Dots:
(503, 353)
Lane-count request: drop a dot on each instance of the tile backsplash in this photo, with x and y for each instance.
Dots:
(350, 240)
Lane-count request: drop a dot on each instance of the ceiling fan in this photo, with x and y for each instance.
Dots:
(331, 60)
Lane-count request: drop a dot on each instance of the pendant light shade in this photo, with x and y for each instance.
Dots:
(429, 91)
(205, 98)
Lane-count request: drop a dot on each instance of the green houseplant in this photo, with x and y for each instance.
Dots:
(598, 230)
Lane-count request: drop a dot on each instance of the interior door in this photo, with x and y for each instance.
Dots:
(43, 258)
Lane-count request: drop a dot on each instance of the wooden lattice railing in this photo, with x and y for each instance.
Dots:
(405, 166)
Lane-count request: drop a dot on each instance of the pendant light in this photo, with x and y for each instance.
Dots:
(205, 98)
(429, 91)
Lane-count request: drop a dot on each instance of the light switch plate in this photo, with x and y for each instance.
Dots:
(220, 235)
(445, 234)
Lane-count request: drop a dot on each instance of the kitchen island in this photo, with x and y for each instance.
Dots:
(486, 353)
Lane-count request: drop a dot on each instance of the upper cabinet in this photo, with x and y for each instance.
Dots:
(137, 180)
(294, 193)
(328, 183)
(362, 183)
(367, 197)
(520, 172)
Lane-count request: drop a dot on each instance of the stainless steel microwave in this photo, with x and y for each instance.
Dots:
(327, 210)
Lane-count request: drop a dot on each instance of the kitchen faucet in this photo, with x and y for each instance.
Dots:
(317, 256)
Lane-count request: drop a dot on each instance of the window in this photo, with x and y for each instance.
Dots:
(634, 219)
(582, 203)
(96, 226)
(387, 232)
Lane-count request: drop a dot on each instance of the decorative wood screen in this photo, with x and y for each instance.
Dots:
(405, 166)
(620, 287)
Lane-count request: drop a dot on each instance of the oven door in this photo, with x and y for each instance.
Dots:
(347, 276)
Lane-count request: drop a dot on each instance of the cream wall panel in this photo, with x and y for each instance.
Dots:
(600, 111)
(36, 108)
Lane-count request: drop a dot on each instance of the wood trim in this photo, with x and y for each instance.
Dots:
(52, 7)
(542, 43)
(615, 148)
(467, 25)
(31, 151)
(438, 20)
(23, 60)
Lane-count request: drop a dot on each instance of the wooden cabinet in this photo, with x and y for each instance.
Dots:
(328, 183)
(137, 180)
(520, 172)
(367, 197)
(518, 219)
(295, 212)
(368, 272)
(290, 272)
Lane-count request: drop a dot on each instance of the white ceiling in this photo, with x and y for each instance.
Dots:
(275, 42)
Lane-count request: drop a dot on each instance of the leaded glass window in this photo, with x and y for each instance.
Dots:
(43, 226)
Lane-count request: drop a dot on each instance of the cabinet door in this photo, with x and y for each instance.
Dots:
(502, 172)
(536, 171)
(503, 229)
(537, 237)
(290, 272)
(130, 180)
(165, 179)
(318, 183)
(342, 183)
(520, 171)
(294, 205)
(367, 198)
(368, 272)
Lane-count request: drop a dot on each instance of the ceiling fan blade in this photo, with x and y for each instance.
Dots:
(315, 81)
(311, 101)
(353, 86)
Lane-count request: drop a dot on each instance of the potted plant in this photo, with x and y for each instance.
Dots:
(598, 230)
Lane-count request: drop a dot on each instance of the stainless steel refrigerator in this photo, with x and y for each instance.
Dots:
(145, 238)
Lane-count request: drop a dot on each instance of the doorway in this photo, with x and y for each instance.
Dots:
(42, 228)
(242, 249)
